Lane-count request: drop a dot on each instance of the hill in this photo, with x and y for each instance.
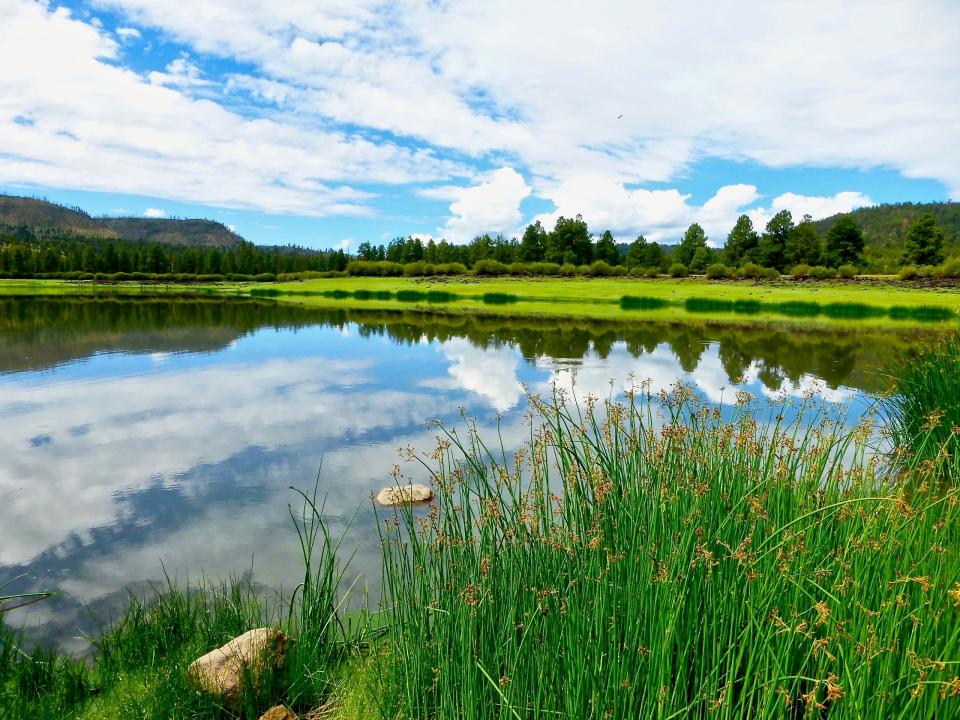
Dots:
(49, 221)
(887, 225)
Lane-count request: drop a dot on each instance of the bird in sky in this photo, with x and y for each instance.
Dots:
(619, 116)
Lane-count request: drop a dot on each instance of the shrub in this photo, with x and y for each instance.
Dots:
(819, 272)
(678, 270)
(453, 268)
(910, 272)
(374, 268)
(801, 271)
(210, 277)
(414, 269)
(750, 270)
(769, 273)
(847, 272)
(618, 271)
(518, 268)
(264, 277)
(951, 268)
(718, 271)
(544, 268)
(568, 270)
(651, 272)
(239, 277)
(600, 268)
(489, 267)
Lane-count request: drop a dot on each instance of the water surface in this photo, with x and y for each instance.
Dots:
(144, 438)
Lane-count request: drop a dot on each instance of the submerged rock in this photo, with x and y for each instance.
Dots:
(404, 495)
(222, 671)
(278, 712)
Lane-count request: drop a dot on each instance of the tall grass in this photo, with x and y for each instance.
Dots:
(138, 669)
(923, 408)
(660, 558)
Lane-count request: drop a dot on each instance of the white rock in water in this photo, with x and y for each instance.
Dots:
(404, 495)
(221, 671)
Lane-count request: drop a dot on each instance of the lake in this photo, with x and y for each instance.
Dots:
(152, 438)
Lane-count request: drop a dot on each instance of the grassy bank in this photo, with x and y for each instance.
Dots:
(828, 303)
(825, 303)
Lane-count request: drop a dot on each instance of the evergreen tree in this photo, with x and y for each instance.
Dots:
(693, 239)
(773, 243)
(569, 242)
(742, 243)
(533, 244)
(637, 252)
(700, 260)
(803, 244)
(844, 242)
(924, 243)
(655, 256)
(606, 249)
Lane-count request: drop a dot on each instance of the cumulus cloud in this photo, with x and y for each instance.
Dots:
(94, 116)
(155, 213)
(491, 206)
(360, 93)
(127, 34)
(815, 206)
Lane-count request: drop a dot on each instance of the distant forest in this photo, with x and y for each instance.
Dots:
(52, 241)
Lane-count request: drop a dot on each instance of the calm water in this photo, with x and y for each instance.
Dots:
(139, 438)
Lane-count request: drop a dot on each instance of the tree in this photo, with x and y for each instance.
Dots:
(655, 256)
(533, 244)
(637, 252)
(569, 242)
(606, 249)
(844, 242)
(741, 243)
(366, 252)
(773, 242)
(924, 243)
(803, 244)
(701, 258)
(693, 239)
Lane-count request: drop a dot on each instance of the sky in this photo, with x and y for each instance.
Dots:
(330, 123)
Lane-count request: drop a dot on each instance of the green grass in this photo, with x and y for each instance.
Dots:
(823, 303)
(831, 303)
(140, 661)
(923, 408)
(698, 564)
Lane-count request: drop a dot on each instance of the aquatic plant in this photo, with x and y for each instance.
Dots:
(923, 408)
(663, 558)
(632, 302)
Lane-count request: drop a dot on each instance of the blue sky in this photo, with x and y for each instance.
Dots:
(327, 124)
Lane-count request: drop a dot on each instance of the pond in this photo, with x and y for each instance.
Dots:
(152, 438)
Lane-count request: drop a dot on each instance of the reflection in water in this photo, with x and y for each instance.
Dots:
(135, 433)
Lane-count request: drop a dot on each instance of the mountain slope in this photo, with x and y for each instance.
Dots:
(887, 225)
(48, 220)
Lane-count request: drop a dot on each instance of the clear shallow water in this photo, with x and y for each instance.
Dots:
(144, 438)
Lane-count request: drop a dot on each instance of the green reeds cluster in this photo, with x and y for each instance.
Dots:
(138, 667)
(923, 408)
(661, 558)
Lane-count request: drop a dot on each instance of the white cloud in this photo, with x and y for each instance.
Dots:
(127, 34)
(180, 72)
(343, 244)
(155, 213)
(492, 206)
(94, 117)
(368, 92)
(815, 206)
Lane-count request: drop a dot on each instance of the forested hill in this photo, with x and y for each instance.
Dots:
(887, 225)
(45, 220)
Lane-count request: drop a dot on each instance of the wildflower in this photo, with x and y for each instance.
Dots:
(955, 594)
(834, 691)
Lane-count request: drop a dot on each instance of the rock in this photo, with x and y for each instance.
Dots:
(221, 672)
(404, 495)
(278, 712)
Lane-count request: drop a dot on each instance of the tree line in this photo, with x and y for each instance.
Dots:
(22, 255)
(783, 246)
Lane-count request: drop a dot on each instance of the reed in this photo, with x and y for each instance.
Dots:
(661, 558)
